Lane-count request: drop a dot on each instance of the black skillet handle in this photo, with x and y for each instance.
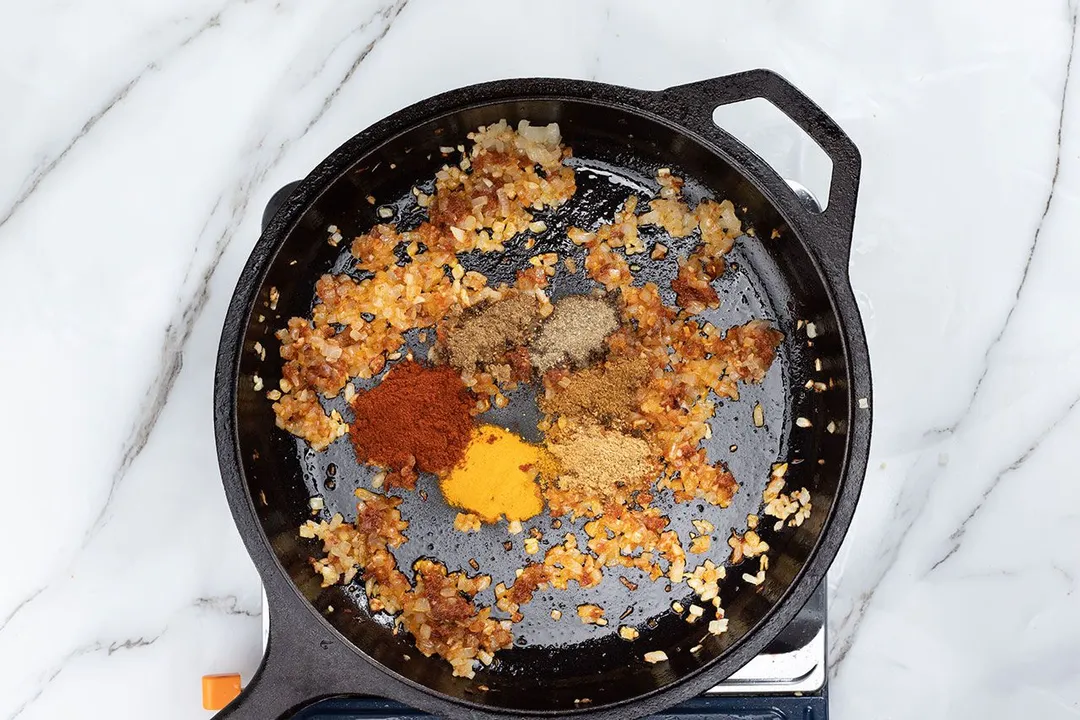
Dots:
(833, 226)
(304, 663)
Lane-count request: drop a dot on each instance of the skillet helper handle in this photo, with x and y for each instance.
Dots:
(275, 202)
(697, 102)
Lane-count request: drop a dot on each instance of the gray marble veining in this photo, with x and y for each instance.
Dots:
(142, 140)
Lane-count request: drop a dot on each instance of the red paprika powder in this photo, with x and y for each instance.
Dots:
(416, 417)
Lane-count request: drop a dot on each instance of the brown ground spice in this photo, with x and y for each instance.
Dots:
(484, 336)
(607, 392)
(596, 462)
(415, 415)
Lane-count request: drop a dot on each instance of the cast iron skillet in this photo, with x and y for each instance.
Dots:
(620, 137)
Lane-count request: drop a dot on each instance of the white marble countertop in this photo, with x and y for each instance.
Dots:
(139, 142)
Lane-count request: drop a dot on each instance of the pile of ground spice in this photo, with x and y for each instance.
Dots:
(496, 477)
(483, 336)
(596, 462)
(416, 417)
(607, 392)
(574, 331)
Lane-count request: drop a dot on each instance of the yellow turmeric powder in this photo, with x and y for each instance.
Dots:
(496, 477)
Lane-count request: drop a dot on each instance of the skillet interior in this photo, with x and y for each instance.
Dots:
(616, 153)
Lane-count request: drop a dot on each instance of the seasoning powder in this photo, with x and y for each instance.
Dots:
(607, 392)
(574, 332)
(483, 336)
(416, 415)
(596, 462)
(496, 477)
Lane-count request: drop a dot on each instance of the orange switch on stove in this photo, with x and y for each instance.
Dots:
(219, 690)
